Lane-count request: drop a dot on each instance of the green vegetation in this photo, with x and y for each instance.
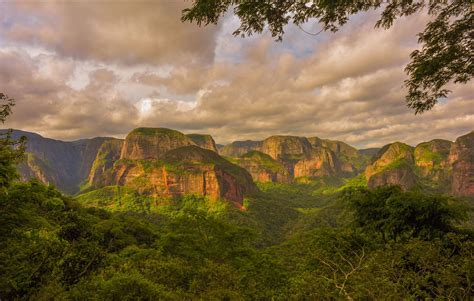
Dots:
(289, 243)
(435, 152)
(292, 242)
(424, 154)
(264, 160)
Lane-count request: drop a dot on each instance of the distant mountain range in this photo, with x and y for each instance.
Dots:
(163, 162)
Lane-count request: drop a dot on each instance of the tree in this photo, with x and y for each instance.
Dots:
(11, 151)
(402, 215)
(447, 40)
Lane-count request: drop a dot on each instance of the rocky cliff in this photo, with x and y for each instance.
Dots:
(66, 164)
(262, 167)
(286, 148)
(34, 167)
(437, 165)
(185, 170)
(393, 165)
(320, 162)
(351, 160)
(239, 148)
(461, 158)
(108, 154)
(300, 156)
(431, 160)
(152, 143)
(203, 141)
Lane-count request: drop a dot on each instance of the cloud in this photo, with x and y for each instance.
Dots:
(346, 86)
(123, 32)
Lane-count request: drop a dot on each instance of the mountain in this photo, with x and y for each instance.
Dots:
(262, 167)
(238, 148)
(461, 158)
(163, 163)
(300, 156)
(66, 164)
(108, 153)
(286, 148)
(152, 143)
(431, 160)
(352, 161)
(203, 141)
(437, 165)
(393, 165)
(320, 162)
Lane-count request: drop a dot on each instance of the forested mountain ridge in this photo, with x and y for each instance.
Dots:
(302, 240)
(66, 164)
(293, 241)
(438, 165)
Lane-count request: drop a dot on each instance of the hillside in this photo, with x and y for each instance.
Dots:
(66, 164)
(437, 165)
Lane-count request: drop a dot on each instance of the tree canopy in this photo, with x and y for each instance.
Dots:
(11, 151)
(447, 45)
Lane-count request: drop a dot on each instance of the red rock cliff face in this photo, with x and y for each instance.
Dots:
(152, 143)
(286, 147)
(186, 170)
(320, 163)
(461, 157)
(263, 168)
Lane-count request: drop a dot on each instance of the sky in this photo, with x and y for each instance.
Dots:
(81, 69)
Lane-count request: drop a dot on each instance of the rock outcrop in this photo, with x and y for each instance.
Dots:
(152, 143)
(461, 158)
(351, 160)
(263, 168)
(239, 148)
(203, 141)
(185, 170)
(107, 155)
(393, 165)
(402, 176)
(140, 160)
(286, 148)
(431, 160)
(321, 162)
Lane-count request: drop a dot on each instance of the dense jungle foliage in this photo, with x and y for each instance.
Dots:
(376, 244)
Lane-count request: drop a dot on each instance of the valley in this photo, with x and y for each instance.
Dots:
(161, 215)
